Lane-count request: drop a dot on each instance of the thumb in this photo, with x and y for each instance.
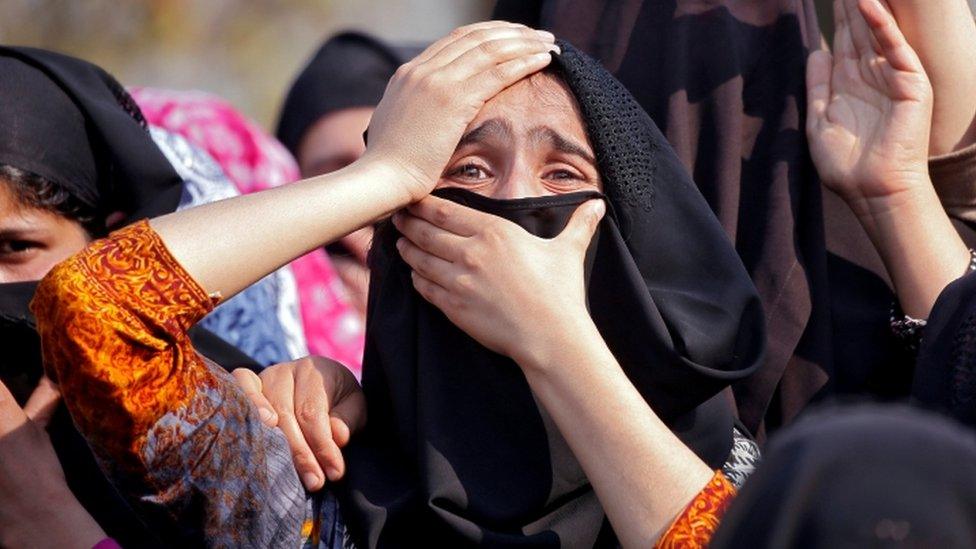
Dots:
(43, 402)
(579, 231)
(819, 70)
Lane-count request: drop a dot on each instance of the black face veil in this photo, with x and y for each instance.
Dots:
(456, 450)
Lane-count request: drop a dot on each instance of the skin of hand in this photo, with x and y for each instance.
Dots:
(453, 251)
(317, 403)
(228, 245)
(37, 509)
(944, 36)
(355, 279)
(869, 114)
(870, 109)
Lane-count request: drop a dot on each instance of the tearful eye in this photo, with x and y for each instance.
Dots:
(470, 171)
(562, 174)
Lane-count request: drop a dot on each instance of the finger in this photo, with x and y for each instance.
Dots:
(450, 216)
(43, 402)
(313, 399)
(355, 279)
(428, 237)
(279, 387)
(458, 34)
(860, 33)
(12, 417)
(842, 47)
(359, 242)
(488, 84)
(891, 40)
(432, 292)
(428, 265)
(348, 417)
(819, 66)
(485, 49)
(583, 223)
(250, 383)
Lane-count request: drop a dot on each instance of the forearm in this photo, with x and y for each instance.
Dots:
(642, 473)
(920, 248)
(944, 36)
(226, 246)
(61, 522)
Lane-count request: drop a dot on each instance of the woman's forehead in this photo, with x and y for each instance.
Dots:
(542, 99)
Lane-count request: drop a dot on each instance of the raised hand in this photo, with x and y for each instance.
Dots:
(870, 108)
(431, 99)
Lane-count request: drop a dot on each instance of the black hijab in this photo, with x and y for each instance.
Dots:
(724, 79)
(456, 450)
(945, 374)
(859, 476)
(70, 122)
(350, 70)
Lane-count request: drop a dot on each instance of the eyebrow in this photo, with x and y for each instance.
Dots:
(492, 128)
(498, 128)
(560, 143)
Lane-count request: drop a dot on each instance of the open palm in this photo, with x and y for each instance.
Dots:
(870, 107)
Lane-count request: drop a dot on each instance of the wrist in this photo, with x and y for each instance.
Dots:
(913, 192)
(402, 184)
(558, 345)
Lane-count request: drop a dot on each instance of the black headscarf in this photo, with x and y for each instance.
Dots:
(456, 450)
(724, 80)
(859, 476)
(945, 375)
(70, 122)
(350, 70)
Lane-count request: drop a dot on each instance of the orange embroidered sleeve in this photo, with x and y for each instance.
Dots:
(696, 525)
(173, 432)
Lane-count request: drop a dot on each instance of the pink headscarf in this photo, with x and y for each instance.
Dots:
(254, 161)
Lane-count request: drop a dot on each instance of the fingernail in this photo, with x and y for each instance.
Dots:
(267, 415)
(332, 473)
(396, 219)
(556, 49)
(546, 35)
(599, 207)
(310, 480)
(399, 244)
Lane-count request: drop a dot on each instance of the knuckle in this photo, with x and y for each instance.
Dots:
(490, 48)
(424, 264)
(470, 259)
(464, 284)
(441, 214)
(310, 413)
(459, 32)
(425, 238)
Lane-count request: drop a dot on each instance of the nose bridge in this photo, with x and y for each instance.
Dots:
(520, 179)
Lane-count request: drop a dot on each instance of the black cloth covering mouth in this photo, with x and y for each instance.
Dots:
(456, 451)
(859, 475)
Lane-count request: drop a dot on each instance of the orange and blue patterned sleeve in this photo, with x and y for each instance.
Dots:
(172, 430)
(696, 525)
